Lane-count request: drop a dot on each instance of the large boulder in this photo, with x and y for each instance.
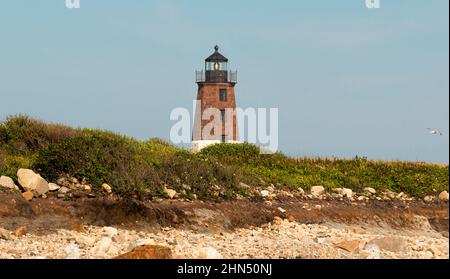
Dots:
(7, 182)
(32, 181)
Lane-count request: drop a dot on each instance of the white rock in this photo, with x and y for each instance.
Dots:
(107, 188)
(170, 192)
(53, 187)
(347, 192)
(63, 190)
(102, 247)
(370, 190)
(443, 196)
(428, 199)
(243, 185)
(72, 251)
(265, 193)
(110, 231)
(85, 241)
(301, 191)
(41, 189)
(361, 198)
(31, 181)
(317, 191)
(7, 182)
(281, 210)
(373, 250)
(209, 253)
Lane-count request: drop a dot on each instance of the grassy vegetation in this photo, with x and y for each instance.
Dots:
(132, 166)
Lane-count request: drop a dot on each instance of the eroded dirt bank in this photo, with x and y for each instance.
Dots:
(285, 227)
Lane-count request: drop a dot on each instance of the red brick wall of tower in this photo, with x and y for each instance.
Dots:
(208, 96)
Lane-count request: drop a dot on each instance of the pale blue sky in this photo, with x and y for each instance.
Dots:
(347, 80)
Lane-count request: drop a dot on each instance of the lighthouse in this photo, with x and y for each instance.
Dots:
(215, 118)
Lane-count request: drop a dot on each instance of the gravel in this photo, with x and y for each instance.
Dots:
(279, 239)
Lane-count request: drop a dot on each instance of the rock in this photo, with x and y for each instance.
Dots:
(243, 185)
(85, 241)
(348, 193)
(301, 191)
(369, 190)
(110, 231)
(373, 251)
(102, 247)
(209, 253)
(7, 182)
(429, 199)
(107, 188)
(390, 243)
(87, 188)
(281, 210)
(31, 181)
(170, 192)
(21, 231)
(443, 196)
(61, 196)
(41, 189)
(264, 193)
(5, 235)
(389, 194)
(400, 196)
(148, 252)
(28, 196)
(317, 191)
(63, 190)
(361, 198)
(72, 251)
(349, 246)
(53, 187)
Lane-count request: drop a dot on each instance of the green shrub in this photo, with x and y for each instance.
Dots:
(22, 135)
(231, 149)
(100, 157)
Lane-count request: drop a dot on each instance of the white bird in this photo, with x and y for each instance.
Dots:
(435, 132)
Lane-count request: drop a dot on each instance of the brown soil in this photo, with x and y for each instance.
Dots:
(42, 216)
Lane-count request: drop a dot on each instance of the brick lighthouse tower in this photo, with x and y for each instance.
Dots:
(215, 116)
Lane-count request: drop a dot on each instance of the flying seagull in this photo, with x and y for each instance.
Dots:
(435, 132)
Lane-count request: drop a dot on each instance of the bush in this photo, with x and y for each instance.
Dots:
(22, 135)
(231, 149)
(100, 157)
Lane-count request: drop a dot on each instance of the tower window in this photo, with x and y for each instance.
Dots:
(222, 114)
(223, 95)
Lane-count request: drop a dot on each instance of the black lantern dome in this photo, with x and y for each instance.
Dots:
(216, 69)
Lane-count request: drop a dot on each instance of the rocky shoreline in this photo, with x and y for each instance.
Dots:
(68, 221)
(279, 239)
